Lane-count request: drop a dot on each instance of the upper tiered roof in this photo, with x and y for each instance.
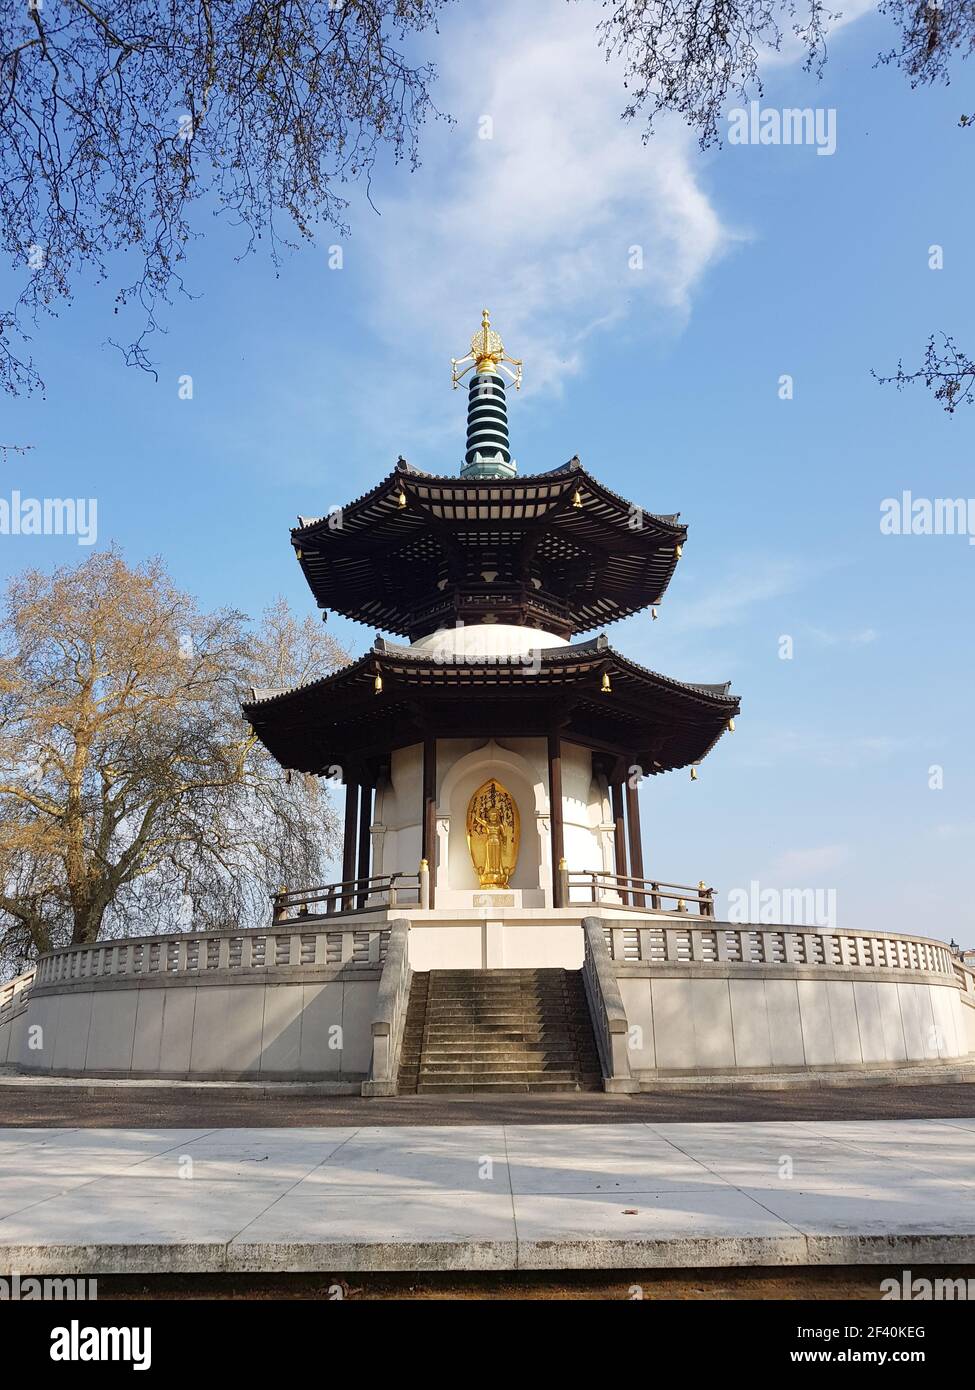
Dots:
(555, 550)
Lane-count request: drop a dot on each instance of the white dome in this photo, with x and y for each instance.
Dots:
(483, 641)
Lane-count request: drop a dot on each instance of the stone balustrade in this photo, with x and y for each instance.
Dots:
(15, 993)
(727, 944)
(197, 954)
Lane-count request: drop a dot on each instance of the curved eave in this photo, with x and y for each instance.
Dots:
(485, 499)
(666, 723)
(345, 557)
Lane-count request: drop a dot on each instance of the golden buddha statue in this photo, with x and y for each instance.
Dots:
(493, 834)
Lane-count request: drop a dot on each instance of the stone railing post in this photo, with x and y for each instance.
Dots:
(563, 895)
(606, 1009)
(424, 876)
(389, 1018)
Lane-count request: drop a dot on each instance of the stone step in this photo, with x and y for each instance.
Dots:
(449, 1050)
(500, 1016)
(521, 1037)
(516, 1056)
(494, 1006)
(489, 986)
(507, 1087)
(503, 992)
(488, 1073)
(489, 1022)
(487, 991)
(495, 1072)
(513, 1027)
(549, 1017)
(435, 1009)
(493, 1022)
(490, 1011)
(497, 1031)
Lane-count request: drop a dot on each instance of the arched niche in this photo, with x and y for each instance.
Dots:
(522, 777)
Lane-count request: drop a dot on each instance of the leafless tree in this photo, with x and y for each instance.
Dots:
(131, 790)
(680, 56)
(122, 124)
(931, 34)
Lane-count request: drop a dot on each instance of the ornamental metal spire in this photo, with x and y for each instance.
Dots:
(488, 455)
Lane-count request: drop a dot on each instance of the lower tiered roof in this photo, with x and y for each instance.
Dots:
(394, 696)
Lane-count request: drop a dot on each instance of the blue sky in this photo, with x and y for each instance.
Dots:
(759, 261)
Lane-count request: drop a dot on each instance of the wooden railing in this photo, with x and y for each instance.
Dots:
(728, 944)
(15, 993)
(373, 894)
(635, 894)
(236, 952)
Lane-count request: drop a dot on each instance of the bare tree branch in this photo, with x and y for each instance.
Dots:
(948, 372)
(119, 124)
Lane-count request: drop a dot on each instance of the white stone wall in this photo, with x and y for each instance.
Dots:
(512, 941)
(11, 1032)
(713, 1024)
(968, 1023)
(463, 765)
(282, 1030)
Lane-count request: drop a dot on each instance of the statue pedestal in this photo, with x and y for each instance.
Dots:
(495, 897)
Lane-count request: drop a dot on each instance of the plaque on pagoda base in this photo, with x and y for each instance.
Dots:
(494, 899)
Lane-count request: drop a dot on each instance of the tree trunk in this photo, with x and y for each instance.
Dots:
(87, 923)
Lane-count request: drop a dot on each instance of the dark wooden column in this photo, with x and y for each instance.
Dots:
(365, 840)
(635, 837)
(348, 840)
(619, 835)
(555, 814)
(429, 821)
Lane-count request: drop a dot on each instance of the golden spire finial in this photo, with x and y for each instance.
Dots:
(487, 354)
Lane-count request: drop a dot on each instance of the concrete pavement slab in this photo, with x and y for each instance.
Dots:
(139, 1225)
(593, 1158)
(281, 1156)
(315, 1227)
(711, 1226)
(471, 1197)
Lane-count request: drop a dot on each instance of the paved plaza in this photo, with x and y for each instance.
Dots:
(487, 1197)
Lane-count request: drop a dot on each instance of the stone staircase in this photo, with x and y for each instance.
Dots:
(498, 1030)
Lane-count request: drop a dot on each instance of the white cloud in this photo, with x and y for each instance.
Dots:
(863, 637)
(800, 865)
(778, 747)
(732, 600)
(964, 830)
(791, 50)
(537, 222)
